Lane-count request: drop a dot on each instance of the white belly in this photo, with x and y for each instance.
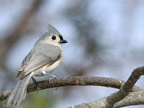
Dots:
(52, 67)
(48, 69)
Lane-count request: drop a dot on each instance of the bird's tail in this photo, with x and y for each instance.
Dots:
(19, 92)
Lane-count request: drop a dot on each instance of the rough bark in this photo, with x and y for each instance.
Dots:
(121, 97)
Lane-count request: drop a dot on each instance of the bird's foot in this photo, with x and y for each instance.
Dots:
(52, 77)
(35, 83)
(34, 80)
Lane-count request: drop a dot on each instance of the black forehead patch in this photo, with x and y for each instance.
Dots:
(60, 36)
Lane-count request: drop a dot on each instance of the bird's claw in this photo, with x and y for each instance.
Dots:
(35, 83)
(52, 78)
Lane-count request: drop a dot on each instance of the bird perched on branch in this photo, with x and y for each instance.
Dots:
(43, 58)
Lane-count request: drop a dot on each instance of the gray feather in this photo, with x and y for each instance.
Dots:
(19, 92)
(43, 54)
(52, 29)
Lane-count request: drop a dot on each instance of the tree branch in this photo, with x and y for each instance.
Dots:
(111, 101)
(72, 81)
(126, 88)
(133, 98)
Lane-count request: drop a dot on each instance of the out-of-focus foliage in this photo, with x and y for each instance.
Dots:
(37, 100)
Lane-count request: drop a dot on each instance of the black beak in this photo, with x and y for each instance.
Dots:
(63, 41)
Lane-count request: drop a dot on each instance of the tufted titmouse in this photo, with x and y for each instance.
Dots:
(43, 58)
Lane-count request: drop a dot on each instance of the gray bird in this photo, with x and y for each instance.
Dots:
(43, 58)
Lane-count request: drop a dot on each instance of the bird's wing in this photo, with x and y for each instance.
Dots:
(35, 61)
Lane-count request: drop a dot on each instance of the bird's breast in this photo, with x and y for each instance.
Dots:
(47, 69)
(52, 67)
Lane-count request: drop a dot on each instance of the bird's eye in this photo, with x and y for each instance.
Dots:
(53, 37)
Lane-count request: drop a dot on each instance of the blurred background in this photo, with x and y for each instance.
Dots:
(106, 39)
